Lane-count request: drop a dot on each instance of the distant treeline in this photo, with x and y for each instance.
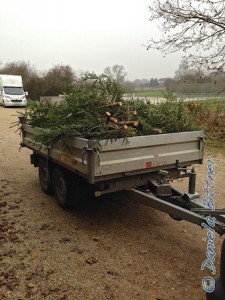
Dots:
(211, 87)
(196, 80)
(61, 78)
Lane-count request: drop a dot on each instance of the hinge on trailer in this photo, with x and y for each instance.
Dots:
(22, 145)
(202, 137)
(86, 148)
(201, 145)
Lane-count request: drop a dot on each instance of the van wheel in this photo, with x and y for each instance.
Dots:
(45, 177)
(3, 104)
(66, 188)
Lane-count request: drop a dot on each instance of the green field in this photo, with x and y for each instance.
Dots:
(160, 93)
(146, 93)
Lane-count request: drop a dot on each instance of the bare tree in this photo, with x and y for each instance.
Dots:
(191, 25)
(187, 73)
(117, 72)
(58, 80)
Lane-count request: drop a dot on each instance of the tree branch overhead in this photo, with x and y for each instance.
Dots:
(186, 25)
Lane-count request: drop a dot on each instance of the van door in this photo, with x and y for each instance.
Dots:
(1, 95)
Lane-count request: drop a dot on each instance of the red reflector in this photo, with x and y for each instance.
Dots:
(148, 164)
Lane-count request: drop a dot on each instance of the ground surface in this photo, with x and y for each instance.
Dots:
(116, 249)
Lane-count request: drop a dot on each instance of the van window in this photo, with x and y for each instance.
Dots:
(13, 90)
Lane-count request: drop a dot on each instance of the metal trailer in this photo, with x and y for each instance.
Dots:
(142, 167)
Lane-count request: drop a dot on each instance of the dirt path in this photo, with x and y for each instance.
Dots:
(115, 249)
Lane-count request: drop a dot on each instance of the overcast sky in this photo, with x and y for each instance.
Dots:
(89, 35)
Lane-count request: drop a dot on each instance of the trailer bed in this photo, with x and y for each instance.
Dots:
(134, 156)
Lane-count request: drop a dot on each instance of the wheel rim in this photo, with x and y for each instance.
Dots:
(44, 176)
(61, 187)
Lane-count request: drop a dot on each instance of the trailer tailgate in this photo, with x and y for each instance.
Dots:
(147, 152)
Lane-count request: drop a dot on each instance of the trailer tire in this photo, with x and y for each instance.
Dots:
(44, 177)
(66, 188)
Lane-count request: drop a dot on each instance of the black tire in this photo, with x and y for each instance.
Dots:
(44, 177)
(67, 189)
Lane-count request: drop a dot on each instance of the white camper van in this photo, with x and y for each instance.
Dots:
(11, 91)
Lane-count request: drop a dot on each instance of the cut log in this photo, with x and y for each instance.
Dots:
(116, 104)
(129, 123)
(114, 120)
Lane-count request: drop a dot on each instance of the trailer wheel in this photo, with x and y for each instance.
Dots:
(66, 188)
(44, 177)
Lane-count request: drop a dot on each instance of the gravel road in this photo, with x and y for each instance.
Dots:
(111, 249)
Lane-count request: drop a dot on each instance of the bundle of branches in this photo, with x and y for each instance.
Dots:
(96, 110)
(93, 110)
